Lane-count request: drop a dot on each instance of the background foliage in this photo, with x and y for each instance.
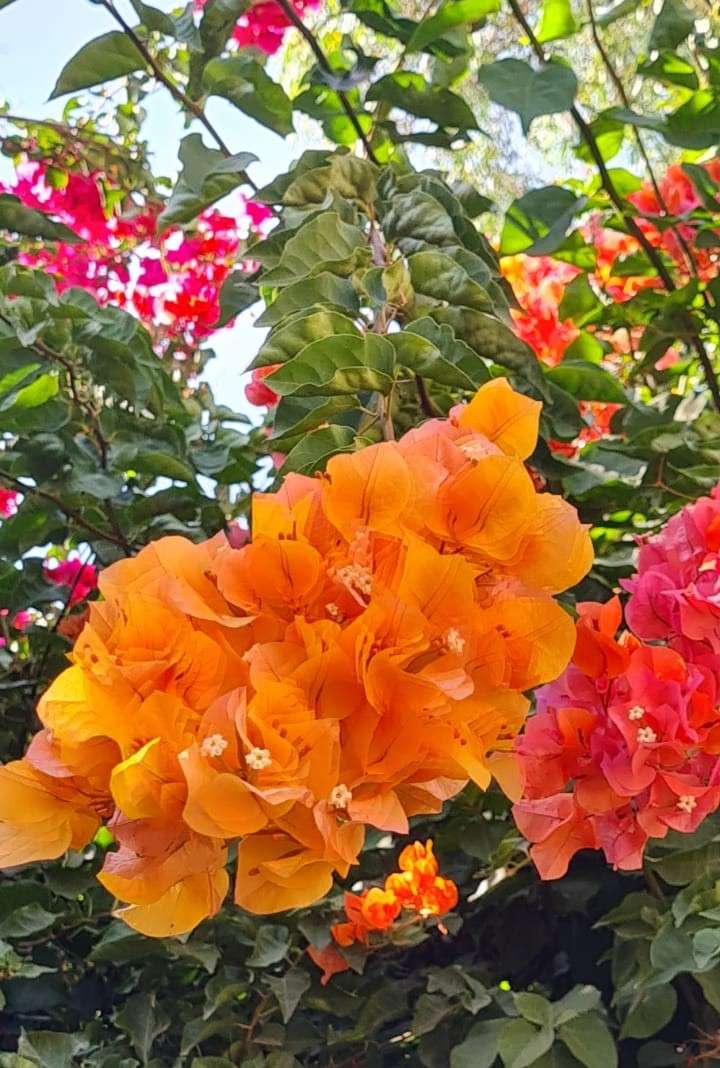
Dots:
(385, 301)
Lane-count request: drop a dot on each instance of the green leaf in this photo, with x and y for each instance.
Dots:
(288, 339)
(50, 1049)
(534, 1008)
(671, 952)
(531, 93)
(412, 93)
(588, 1038)
(295, 416)
(341, 364)
(451, 13)
(325, 243)
(246, 84)
(619, 11)
(673, 24)
(113, 55)
(324, 288)
(236, 295)
(18, 219)
(27, 920)
(143, 1020)
(579, 1000)
(494, 341)
(433, 351)
(416, 220)
(670, 68)
(587, 381)
(206, 176)
(556, 21)
(312, 453)
(537, 222)
(520, 1043)
(289, 989)
(580, 302)
(271, 945)
(216, 25)
(649, 1012)
(436, 275)
(480, 1048)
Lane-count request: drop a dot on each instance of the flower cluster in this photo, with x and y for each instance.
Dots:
(171, 279)
(626, 744)
(416, 888)
(8, 502)
(79, 578)
(354, 664)
(264, 25)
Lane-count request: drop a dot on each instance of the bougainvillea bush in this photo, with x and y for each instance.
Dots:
(377, 723)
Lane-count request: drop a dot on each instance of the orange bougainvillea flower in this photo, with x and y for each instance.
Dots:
(416, 889)
(353, 665)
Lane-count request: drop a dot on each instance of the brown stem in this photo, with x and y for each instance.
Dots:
(317, 51)
(632, 226)
(70, 133)
(175, 91)
(426, 402)
(71, 513)
(625, 100)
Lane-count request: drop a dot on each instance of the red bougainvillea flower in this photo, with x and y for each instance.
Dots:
(257, 391)
(351, 666)
(8, 502)
(170, 280)
(264, 25)
(625, 745)
(80, 578)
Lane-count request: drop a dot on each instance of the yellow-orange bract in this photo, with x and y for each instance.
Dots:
(354, 665)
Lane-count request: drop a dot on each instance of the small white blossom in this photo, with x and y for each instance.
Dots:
(687, 803)
(340, 796)
(213, 746)
(637, 712)
(258, 759)
(646, 734)
(455, 641)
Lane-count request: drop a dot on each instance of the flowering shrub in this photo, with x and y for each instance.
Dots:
(399, 606)
(631, 726)
(169, 278)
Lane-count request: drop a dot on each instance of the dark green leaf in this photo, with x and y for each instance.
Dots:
(531, 93)
(18, 219)
(671, 27)
(649, 1012)
(537, 223)
(143, 1020)
(520, 1044)
(341, 364)
(289, 989)
(245, 83)
(410, 92)
(206, 176)
(588, 1038)
(271, 945)
(113, 55)
(316, 448)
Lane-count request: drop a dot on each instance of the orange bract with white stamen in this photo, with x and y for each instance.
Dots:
(355, 664)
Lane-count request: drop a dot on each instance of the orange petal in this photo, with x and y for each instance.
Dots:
(275, 873)
(181, 908)
(219, 804)
(556, 526)
(507, 418)
(370, 488)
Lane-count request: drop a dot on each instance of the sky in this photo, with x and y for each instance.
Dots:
(37, 37)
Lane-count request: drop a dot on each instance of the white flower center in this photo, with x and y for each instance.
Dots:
(455, 641)
(258, 759)
(637, 712)
(340, 796)
(687, 803)
(213, 746)
(356, 578)
(646, 734)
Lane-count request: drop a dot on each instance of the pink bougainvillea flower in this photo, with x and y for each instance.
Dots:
(8, 502)
(80, 578)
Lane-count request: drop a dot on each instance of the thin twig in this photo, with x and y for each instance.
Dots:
(320, 56)
(426, 402)
(192, 106)
(70, 133)
(70, 513)
(630, 222)
(625, 100)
